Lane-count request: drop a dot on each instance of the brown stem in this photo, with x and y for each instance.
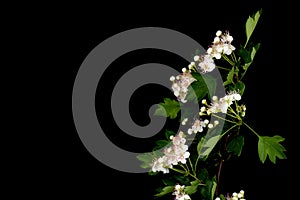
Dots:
(220, 166)
(219, 174)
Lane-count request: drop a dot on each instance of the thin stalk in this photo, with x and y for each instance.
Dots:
(223, 68)
(229, 129)
(193, 170)
(224, 119)
(251, 129)
(228, 60)
(185, 169)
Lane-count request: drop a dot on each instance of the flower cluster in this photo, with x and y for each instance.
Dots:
(235, 196)
(204, 63)
(219, 105)
(180, 85)
(221, 45)
(179, 193)
(176, 153)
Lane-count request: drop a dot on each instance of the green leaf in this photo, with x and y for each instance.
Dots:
(199, 146)
(209, 189)
(229, 78)
(197, 90)
(165, 190)
(168, 133)
(254, 50)
(161, 144)
(248, 56)
(236, 145)
(213, 188)
(192, 188)
(245, 54)
(203, 174)
(222, 197)
(239, 87)
(251, 24)
(180, 178)
(168, 181)
(211, 84)
(209, 145)
(146, 159)
(271, 147)
(169, 108)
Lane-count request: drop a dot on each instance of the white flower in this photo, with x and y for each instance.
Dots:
(176, 153)
(221, 45)
(197, 127)
(207, 64)
(216, 40)
(223, 103)
(179, 193)
(181, 84)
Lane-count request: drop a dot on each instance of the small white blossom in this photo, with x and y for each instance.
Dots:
(196, 58)
(179, 193)
(181, 84)
(197, 127)
(222, 104)
(216, 40)
(218, 33)
(206, 64)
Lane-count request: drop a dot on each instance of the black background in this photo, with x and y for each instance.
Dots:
(63, 36)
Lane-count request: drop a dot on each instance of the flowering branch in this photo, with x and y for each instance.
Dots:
(202, 161)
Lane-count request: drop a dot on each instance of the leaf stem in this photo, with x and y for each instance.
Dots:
(229, 130)
(251, 129)
(188, 173)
